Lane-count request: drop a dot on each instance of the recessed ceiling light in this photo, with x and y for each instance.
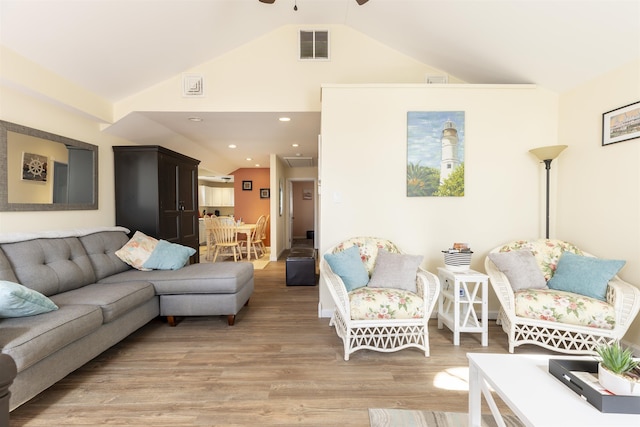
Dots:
(232, 145)
(295, 145)
(257, 165)
(249, 159)
(195, 119)
(284, 119)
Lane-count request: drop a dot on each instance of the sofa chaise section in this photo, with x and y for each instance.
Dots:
(219, 289)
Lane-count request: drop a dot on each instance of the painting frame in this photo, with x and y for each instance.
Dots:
(436, 143)
(247, 185)
(621, 124)
(307, 194)
(265, 193)
(34, 167)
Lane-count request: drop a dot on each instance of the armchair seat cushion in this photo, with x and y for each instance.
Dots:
(385, 303)
(564, 307)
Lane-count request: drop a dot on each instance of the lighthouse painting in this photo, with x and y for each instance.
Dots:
(435, 153)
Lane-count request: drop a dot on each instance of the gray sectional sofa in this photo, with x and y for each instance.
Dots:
(100, 300)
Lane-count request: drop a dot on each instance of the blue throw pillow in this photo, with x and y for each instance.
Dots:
(19, 301)
(349, 266)
(168, 256)
(584, 275)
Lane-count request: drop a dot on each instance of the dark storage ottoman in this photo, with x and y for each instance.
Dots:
(301, 267)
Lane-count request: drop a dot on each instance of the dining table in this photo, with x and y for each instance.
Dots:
(248, 230)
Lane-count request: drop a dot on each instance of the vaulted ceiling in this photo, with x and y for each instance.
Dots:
(117, 48)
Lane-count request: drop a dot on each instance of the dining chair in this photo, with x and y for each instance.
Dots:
(253, 239)
(261, 236)
(226, 237)
(210, 238)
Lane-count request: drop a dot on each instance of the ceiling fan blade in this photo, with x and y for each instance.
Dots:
(271, 1)
(360, 2)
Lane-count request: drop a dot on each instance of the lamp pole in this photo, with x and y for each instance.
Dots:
(547, 154)
(547, 166)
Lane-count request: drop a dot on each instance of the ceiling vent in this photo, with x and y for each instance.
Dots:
(299, 162)
(314, 45)
(192, 85)
(436, 79)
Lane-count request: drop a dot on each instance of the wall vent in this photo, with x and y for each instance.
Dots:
(313, 45)
(299, 162)
(436, 79)
(192, 85)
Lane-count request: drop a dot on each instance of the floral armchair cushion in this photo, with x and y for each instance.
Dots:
(368, 249)
(564, 307)
(546, 251)
(385, 303)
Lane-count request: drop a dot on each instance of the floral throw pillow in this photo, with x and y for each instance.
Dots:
(137, 250)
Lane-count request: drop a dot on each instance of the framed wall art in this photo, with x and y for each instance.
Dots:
(264, 193)
(435, 153)
(34, 167)
(247, 185)
(307, 194)
(621, 124)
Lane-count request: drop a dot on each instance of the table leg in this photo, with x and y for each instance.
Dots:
(478, 387)
(440, 310)
(456, 313)
(475, 402)
(485, 315)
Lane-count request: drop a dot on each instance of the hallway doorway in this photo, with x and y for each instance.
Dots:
(302, 224)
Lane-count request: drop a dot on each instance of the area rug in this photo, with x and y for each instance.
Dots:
(407, 418)
(258, 264)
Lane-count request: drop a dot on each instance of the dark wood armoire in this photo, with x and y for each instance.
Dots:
(157, 193)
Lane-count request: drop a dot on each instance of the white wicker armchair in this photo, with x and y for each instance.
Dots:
(379, 332)
(552, 334)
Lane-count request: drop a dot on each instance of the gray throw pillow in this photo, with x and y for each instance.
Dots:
(521, 269)
(393, 270)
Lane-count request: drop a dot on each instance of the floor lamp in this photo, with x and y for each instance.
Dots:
(547, 154)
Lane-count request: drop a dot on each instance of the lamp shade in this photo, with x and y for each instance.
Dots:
(549, 152)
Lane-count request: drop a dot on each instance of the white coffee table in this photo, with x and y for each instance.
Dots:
(524, 383)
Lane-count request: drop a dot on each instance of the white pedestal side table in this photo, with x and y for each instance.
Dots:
(458, 300)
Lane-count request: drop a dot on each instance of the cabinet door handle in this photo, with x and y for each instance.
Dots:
(181, 205)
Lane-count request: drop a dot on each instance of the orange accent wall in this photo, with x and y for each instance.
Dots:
(247, 204)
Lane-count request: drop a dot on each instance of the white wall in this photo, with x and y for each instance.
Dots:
(363, 168)
(266, 75)
(599, 187)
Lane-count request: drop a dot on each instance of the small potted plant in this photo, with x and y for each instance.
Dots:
(618, 372)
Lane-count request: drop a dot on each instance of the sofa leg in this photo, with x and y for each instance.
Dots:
(231, 319)
(171, 321)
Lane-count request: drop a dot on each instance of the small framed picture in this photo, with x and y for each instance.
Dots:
(264, 193)
(34, 167)
(621, 124)
(307, 195)
(247, 185)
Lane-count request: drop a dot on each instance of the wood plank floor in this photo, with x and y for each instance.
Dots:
(279, 365)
